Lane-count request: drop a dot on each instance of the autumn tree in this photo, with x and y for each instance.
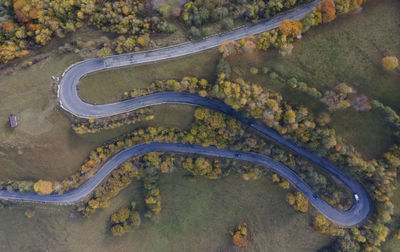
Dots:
(298, 201)
(239, 235)
(124, 219)
(325, 226)
(43, 187)
(104, 52)
(120, 216)
(239, 240)
(327, 7)
(343, 6)
(119, 229)
(290, 27)
(390, 62)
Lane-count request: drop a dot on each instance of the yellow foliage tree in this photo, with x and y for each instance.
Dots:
(120, 216)
(291, 27)
(239, 235)
(43, 187)
(323, 225)
(298, 201)
(285, 184)
(390, 62)
(239, 240)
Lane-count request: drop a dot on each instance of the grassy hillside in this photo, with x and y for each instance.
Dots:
(196, 216)
(348, 50)
(108, 86)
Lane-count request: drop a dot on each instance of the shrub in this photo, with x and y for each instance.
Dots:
(273, 75)
(227, 24)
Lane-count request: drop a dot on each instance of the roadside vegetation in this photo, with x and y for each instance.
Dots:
(349, 50)
(26, 24)
(107, 86)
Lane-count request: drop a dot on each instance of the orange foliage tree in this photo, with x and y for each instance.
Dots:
(239, 235)
(328, 10)
(239, 240)
(43, 187)
(290, 27)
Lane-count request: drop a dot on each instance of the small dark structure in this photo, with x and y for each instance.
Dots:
(13, 120)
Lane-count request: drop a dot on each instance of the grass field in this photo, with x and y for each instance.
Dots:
(108, 86)
(347, 50)
(43, 145)
(196, 216)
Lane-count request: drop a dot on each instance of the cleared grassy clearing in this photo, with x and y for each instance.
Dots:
(196, 216)
(43, 145)
(108, 86)
(347, 50)
(367, 131)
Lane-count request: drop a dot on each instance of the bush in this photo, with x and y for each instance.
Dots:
(273, 75)
(224, 67)
(227, 24)
(195, 32)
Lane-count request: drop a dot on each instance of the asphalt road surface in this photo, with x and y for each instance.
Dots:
(70, 101)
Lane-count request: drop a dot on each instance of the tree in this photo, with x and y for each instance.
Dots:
(224, 67)
(118, 230)
(239, 240)
(327, 7)
(380, 232)
(290, 27)
(323, 119)
(104, 52)
(323, 225)
(390, 62)
(285, 184)
(194, 32)
(298, 201)
(120, 216)
(344, 6)
(239, 235)
(227, 24)
(43, 187)
(290, 116)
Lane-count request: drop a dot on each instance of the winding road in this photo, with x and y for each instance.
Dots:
(70, 101)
